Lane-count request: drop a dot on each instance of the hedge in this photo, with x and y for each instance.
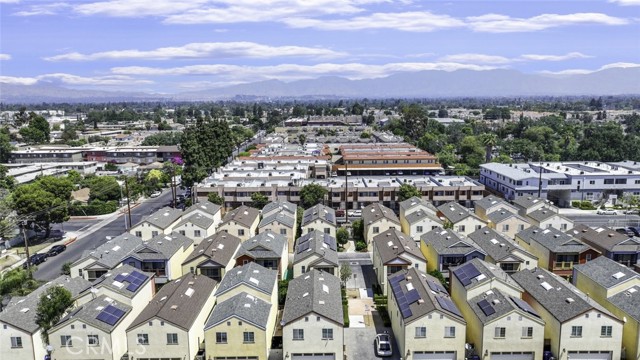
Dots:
(96, 207)
(345, 314)
(384, 315)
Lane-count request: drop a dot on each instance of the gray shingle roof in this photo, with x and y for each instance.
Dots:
(88, 312)
(316, 292)
(526, 202)
(553, 240)
(500, 304)
(14, 314)
(448, 242)
(280, 205)
(204, 206)
(161, 247)
(266, 245)
(628, 301)
(419, 215)
(321, 212)
(178, 302)
(251, 275)
(375, 212)
(542, 214)
(163, 218)
(319, 243)
(393, 243)
(501, 215)
(605, 239)
(108, 280)
(111, 252)
(243, 215)
(602, 270)
(196, 219)
(411, 279)
(454, 212)
(242, 306)
(556, 299)
(218, 248)
(282, 217)
(488, 272)
(494, 244)
(415, 201)
(489, 202)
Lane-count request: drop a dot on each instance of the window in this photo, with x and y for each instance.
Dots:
(605, 331)
(221, 338)
(576, 331)
(608, 181)
(501, 332)
(505, 227)
(563, 227)
(416, 265)
(248, 337)
(527, 332)
(143, 339)
(80, 272)
(196, 233)
(65, 341)
(298, 334)
(240, 232)
(419, 229)
(621, 181)
(16, 342)
(182, 232)
(421, 331)
(376, 229)
(93, 340)
(478, 227)
(283, 231)
(327, 230)
(303, 268)
(592, 182)
(587, 257)
(327, 334)
(139, 234)
(520, 227)
(461, 228)
(449, 331)
(154, 233)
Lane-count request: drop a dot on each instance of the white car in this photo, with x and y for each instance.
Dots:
(383, 345)
(606, 212)
(354, 213)
(155, 194)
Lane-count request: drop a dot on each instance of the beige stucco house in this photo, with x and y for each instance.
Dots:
(315, 250)
(376, 219)
(461, 219)
(241, 222)
(319, 218)
(160, 222)
(213, 257)
(394, 251)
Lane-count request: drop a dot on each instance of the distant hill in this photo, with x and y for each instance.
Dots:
(615, 81)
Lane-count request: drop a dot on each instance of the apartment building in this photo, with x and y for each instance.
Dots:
(386, 159)
(46, 155)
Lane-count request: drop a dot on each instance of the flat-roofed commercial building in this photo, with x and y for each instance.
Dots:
(386, 159)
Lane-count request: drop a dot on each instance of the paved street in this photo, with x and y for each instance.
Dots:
(605, 220)
(89, 240)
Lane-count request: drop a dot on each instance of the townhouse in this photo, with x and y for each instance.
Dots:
(312, 321)
(461, 219)
(241, 222)
(503, 252)
(425, 321)
(20, 335)
(172, 324)
(556, 251)
(394, 251)
(251, 278)
(500, 326)
(377, 219)
(490, 204)
(315, 250)
(160, 222)
(281, 223)
(576, 327)
(205, 208)
(213, 257)
(321, 218)
(548, 217)
(445, 248)
(416, 204)
(417, 217)
(267, 249)
(617, 288)
(162, 255)
(196, 227)
(507, 222)
(95, 263)
(278, 206)
(529, 204)
(610, 243)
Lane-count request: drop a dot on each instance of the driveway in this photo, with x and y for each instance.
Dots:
(359, 342)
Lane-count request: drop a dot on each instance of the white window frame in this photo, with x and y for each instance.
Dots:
(298, 334)
(421, 332)
(327, 334)
(449, 331)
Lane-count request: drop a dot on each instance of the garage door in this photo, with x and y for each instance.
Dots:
(575, 355)
(513, 356)
(449, 355)
(308, 356)
(236, 358)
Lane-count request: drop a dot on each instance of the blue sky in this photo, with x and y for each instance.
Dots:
(170, 46)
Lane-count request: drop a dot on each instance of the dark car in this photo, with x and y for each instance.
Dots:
(56, 250)
(35, 259)
(634, 230)
(625, 231)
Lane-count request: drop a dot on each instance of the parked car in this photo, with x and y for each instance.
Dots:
(340, 212)
(155, 194)
(634, 230)
(56, 250)
(606, 212)
(35, 259)
(354, 213)
(632, 212)
(383, 345)
(625, 231)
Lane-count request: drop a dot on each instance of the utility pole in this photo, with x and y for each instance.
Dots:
(126, 186)
(174, 189)
(540, 180)
(346, 190)
(26, 246)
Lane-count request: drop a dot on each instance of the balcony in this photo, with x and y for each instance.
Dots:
(563, 265)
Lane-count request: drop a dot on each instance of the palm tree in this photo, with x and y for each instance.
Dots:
(489, 141)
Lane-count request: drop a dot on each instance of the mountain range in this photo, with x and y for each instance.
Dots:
(425, 84)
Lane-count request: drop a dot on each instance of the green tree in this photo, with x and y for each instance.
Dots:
(66, 268)
(215, 198)
(259, 200)
(43, 207)
(342, 236)
(5, 145)
(60, 187)
(6, 182)
(37, 131)
(357, 227)
(345, 273)
(53, 303)
(103, 188)
(74, 176)
(407, 191)
(489, 140)
(312, 194)
(438, 275)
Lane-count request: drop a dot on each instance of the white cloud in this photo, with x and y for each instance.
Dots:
(138, 8)
(587, 71)
(568, 56)
(5, 57)
(17, 80)
(202, 50)
(626, 2)
(9, 1)
(69, 79)
(423, 21)
(43, 9)
(497, 23)
(476, 59)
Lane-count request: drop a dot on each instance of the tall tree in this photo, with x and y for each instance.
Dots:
(5, 145)
(312, 194)
(259, 200)
(407, 191)
(489, 140)
(53, 303)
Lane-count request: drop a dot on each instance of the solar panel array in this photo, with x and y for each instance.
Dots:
(412, 296)
(135, 280)
(400, 296)
(330, 241)
(486, 307)
(448, 305)
(330, 216)
(466, 273)
(524, 306)
(303, 247)
(110, 315)
(436, 286)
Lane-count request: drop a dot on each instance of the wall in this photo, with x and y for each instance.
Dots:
(514, 223)
(32, 345)
(591, 339)
(146, 230)
(276, 226)
(158, 347)
(470, 224)
(106, 349)
(313, 342)
(81, 265)
(557, 222)
(513, 341)
(174, 265)
(190, 232)
(232, 228)
(320, 225)
(235, 345)
(382, 224)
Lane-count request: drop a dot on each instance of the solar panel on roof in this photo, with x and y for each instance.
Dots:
(120, 278)
(486, 307)
(406, 312)
(133, 287)
(524, 306)
(303, 247)
(448, 305)
(466, 272)
(436, 286)
(412, 296)
(110, 315)
(110, 309)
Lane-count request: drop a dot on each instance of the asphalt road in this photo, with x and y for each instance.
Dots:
(89, 240)
(605, 220)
